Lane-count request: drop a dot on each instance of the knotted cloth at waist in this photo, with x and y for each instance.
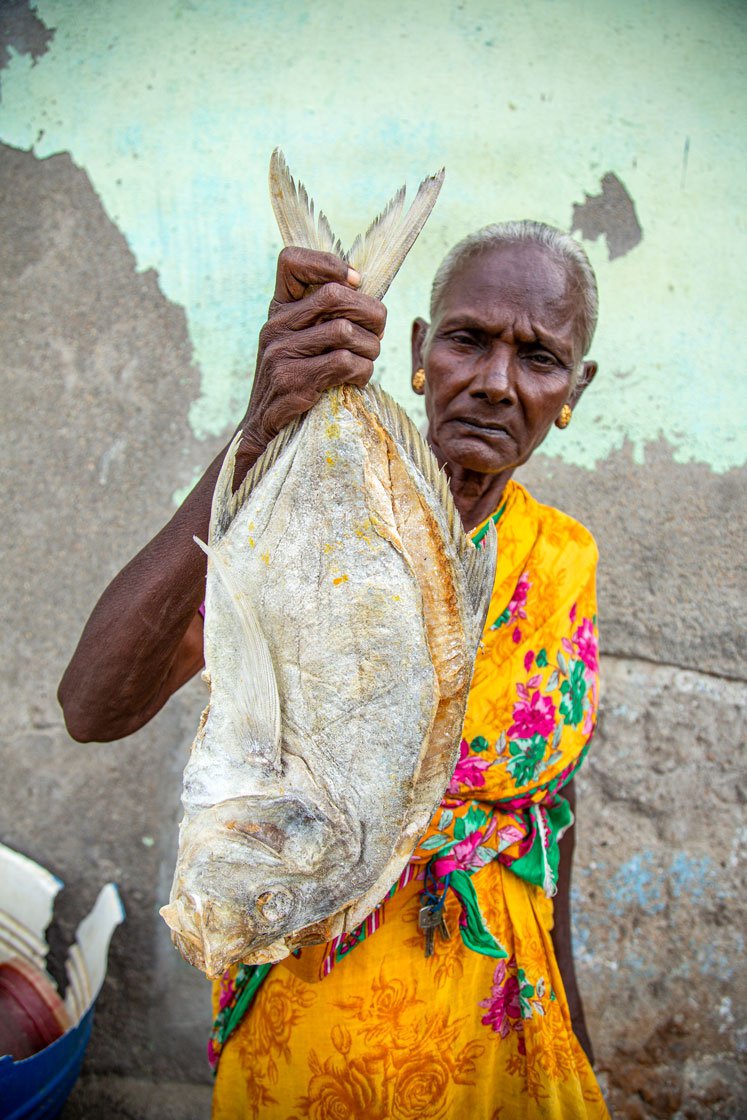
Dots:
(521, 832)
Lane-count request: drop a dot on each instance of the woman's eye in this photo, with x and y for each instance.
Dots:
(462, 338)
(541, 358)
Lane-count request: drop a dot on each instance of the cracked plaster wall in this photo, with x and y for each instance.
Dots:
(124, 261)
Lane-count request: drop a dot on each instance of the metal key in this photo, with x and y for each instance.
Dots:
(429, 920)
(443, 929)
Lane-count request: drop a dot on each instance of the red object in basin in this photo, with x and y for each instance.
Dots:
(32, 1015)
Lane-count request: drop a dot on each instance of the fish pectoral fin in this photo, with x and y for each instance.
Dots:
(378, 255)
(256, 694)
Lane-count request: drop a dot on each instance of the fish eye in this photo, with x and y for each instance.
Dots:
(274, 905)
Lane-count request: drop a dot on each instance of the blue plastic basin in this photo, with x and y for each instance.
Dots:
(37, 1087)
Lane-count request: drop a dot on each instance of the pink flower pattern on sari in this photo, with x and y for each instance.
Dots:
(535, 716)
(517, 606)
(226, 990)
(503, 1006)
(461, 856)
(586, 643)
(469, 770)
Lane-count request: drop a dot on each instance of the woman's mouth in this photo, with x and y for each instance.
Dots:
(484, 428)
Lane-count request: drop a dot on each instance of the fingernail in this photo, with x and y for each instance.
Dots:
(354, 277)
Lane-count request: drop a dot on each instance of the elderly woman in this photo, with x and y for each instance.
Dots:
(369, 1026)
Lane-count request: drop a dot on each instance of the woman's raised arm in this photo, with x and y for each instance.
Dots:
(144, 637)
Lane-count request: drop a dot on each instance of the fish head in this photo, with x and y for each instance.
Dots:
(248, 875)
(212, 934)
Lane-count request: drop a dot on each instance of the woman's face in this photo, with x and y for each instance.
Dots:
(499, 357)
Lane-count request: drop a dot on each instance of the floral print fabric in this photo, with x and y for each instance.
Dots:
(388, 1032)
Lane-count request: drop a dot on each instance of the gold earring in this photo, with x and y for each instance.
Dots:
(564, 418)
(418, 381)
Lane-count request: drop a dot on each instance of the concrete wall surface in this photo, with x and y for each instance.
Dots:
(136, 263)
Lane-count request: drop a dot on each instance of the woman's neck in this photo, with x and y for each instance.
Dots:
(476, 495)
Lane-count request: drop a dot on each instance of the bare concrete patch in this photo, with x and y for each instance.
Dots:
(126, 1098)
(97, 380)
(610, 214)
(21, 28)
(660, 892)
(673, 545)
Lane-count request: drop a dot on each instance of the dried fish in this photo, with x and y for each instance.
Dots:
(344, 608)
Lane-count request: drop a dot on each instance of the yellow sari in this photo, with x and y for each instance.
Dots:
(368, 1026)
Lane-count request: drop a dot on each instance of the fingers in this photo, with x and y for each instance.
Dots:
(322, 338)
(301, 269)
(340, 367)
(331, 301)
(299, 384)
(312, 286)
(321, 332)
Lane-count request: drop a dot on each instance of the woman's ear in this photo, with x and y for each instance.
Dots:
(417, 341)
(588, 372)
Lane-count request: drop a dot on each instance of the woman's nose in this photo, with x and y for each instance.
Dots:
(493, 380)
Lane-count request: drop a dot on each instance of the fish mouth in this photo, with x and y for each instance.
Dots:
(209, 952)
(205, 942)
(200, 939)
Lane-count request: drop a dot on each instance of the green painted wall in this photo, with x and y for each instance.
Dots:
(173, 106)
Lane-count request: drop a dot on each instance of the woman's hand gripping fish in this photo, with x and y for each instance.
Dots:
(344, 607)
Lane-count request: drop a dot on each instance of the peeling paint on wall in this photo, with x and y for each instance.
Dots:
(173, 109)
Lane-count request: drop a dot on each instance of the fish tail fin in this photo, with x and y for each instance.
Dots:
(294, 211)
(256, 691)
(379, 254)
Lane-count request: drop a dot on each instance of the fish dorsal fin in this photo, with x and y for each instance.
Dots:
(226, 505)
(379, 254)
(294, 211)
(478, 563)
(254, 690)
(220, 511)
(266, 461)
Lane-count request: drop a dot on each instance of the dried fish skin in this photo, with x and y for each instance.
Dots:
(344, 606)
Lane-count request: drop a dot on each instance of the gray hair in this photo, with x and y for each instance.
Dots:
(561, 245)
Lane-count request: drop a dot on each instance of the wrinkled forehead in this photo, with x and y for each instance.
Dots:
(517, 278)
